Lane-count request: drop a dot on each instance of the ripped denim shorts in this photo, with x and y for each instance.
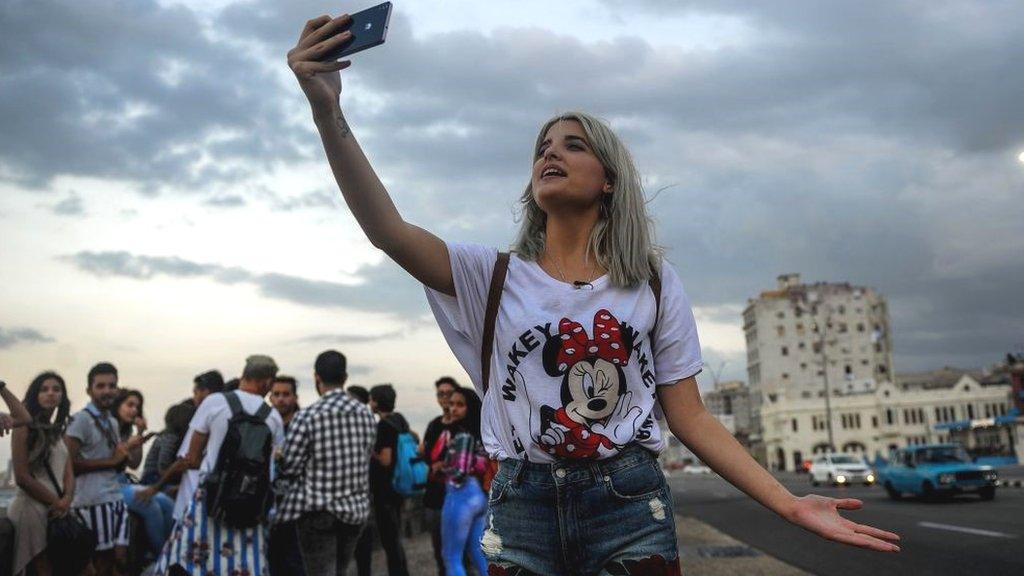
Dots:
(585, 518)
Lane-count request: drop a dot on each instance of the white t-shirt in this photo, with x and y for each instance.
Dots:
(573, 371)
(211, 418)
(189, 480)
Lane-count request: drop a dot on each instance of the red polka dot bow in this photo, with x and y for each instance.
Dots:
(607, 342)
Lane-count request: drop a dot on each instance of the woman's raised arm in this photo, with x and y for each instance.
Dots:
(422, 254)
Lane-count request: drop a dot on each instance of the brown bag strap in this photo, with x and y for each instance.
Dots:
(493, 300)
(655, 283)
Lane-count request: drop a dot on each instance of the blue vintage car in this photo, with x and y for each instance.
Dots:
(934, 470)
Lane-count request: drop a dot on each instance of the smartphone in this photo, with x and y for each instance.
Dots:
(369, 28)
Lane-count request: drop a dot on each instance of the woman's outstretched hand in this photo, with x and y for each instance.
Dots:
(320, 81)
(820, 515)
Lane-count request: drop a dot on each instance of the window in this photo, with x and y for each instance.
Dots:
(857, 418)
(842, 328)
(780, 315)
(881, 369)
(970, 411)
(889, 416)
(849, 370)
(860, 326)
(874, 421)
(842, 309)
(801, 345)
(803, 365)
(794, 425)
(781, 330)
(864, 362)
(785, 350)
(785, 375)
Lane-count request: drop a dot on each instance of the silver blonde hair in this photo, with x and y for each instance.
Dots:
(623, 237)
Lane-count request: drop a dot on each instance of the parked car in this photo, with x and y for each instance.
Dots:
(696, 469)
(840, 469)
(934, 470)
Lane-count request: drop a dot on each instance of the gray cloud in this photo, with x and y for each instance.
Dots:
(226, 201)
(392, 291)
(871, 142)
(327, 339)
(313, 199)
(70, 206)
(10, 337)
(132, 91)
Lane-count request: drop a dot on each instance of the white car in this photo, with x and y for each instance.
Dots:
(840, 470)
(696, 469)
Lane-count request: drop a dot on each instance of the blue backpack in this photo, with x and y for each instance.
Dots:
(410, 475)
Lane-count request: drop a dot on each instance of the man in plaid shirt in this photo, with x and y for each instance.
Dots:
(325, 466)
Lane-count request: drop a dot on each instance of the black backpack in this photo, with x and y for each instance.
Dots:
(238, 490)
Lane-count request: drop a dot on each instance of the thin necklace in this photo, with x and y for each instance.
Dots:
(578, 284)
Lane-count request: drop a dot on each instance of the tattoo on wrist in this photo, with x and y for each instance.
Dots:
(339, 119)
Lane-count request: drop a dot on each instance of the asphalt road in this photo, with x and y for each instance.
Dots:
(962, 536)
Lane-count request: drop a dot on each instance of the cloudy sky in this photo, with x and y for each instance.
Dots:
(165, 203)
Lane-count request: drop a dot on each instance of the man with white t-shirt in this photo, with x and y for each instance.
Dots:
(204, 385)
(200, 542)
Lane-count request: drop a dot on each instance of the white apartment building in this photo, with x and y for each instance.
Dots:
(792, 330)
(874, 420)
(731, 398)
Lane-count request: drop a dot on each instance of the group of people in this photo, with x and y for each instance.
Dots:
(330, 471)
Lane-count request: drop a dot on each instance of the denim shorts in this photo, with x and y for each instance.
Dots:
(610, 516)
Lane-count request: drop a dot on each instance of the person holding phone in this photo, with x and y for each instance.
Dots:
(157, 510)
(591, 329)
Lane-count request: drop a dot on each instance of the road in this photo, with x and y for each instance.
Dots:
(962, 536)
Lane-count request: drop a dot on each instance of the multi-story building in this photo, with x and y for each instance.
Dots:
(799, 334)
(731, 398)
(917, 409)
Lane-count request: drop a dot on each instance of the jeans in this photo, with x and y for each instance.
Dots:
(364, 547)
(157, 515)
(326, 543)
(462, 526)
(388, 514)
(432, 518)
(576, 518)
(283, 554)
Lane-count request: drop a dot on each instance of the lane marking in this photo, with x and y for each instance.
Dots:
(966, 530)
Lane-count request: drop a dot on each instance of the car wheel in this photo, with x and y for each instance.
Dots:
(928, 492)
(814, 481)
(831, 480)
(987, 493)
(892, 492)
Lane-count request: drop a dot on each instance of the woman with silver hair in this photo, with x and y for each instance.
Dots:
(576, 339)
